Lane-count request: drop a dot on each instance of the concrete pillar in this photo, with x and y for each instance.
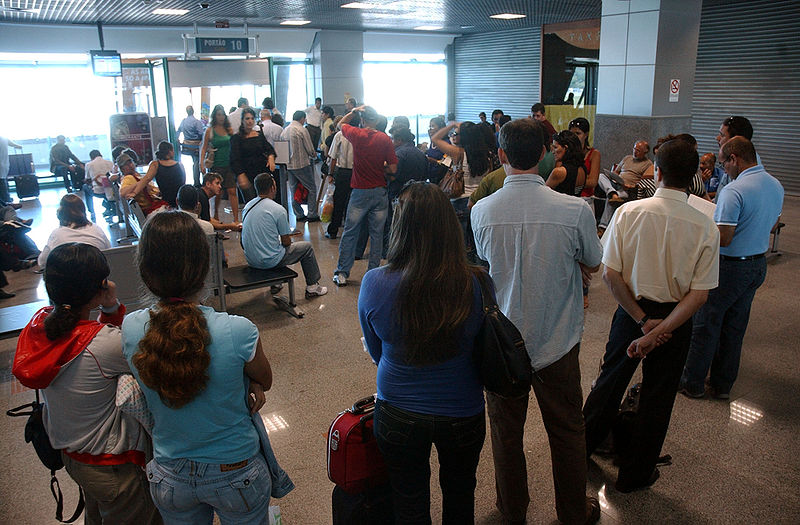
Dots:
(338, 57)
(645, 46)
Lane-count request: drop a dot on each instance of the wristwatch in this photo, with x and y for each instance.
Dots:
(641, 322)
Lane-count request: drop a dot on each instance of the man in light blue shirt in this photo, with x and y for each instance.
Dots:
(267, 238)
(747, 209)
(540, 246)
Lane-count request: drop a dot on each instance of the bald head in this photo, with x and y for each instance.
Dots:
(707, 161)
(640, 150)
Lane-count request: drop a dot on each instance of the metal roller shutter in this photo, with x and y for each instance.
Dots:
(748, 63)
(497, 71)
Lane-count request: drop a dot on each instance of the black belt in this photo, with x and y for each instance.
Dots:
(743, 258)
(312, 126)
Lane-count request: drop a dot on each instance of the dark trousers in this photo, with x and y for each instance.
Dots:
(558, 392)
(5, 194)
(315, 133)
(661, 371)
(405, 438)
(720, 325)
(341, 196)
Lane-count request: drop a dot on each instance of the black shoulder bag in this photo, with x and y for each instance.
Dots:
(36, 434)
(500, 355)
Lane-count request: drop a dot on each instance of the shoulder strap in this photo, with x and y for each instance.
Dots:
(486, 295)
(241, 243)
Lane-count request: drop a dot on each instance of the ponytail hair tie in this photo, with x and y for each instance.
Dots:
(175, 300)
(65, 306)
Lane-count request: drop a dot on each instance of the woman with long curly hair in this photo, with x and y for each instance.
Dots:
(75, 363)
(420, 315)
(194, 366)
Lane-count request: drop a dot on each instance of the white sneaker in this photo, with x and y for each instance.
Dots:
(315, 290)
(340, 279)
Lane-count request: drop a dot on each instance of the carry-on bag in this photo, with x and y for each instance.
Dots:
(354, 461)
(27, 186)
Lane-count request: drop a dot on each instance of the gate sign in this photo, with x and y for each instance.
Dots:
(674, 89)
(222, 46)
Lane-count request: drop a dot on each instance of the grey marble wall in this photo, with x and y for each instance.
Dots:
(614, 135)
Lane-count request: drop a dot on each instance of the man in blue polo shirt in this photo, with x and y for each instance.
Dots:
(267, 239)
(747, 209)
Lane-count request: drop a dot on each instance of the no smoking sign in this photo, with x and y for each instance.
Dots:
(674, 89)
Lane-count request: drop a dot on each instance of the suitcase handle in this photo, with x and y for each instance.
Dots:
(363, 406)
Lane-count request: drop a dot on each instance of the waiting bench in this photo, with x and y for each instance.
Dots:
(224, 281)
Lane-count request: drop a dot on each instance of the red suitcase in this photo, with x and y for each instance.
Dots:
(354, 461)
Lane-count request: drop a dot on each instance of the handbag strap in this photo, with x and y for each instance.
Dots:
(487, 299)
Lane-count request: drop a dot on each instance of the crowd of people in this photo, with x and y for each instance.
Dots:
(522, 222)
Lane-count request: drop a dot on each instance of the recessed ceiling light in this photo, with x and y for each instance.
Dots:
(29, 10)
(358, 5)
(427, 28)
(175, 12)
(508, 16)
(295, 22)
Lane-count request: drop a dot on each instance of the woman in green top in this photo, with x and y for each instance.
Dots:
(218, 138)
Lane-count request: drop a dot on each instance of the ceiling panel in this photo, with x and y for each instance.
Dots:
(454, 16)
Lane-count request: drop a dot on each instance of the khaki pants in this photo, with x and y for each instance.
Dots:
(558, 392)
(118, 494)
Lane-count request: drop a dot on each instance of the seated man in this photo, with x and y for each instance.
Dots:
(711, 173)
(267, 241)
(188, 203)
(633, 169)
(60, 165)
(212, 187)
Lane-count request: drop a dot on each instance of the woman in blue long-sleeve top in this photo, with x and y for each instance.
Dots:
(420, 315)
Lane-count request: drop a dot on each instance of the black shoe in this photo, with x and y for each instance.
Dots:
(6, 295)
(24, 265)
(314, 219)
(594, 511)
(27, 222)
(329, 236)
(626, 488)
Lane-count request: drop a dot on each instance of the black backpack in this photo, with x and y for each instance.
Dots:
(36, 434)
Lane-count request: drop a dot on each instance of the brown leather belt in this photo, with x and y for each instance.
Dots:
(233, 466)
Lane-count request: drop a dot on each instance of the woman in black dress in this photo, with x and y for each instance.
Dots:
(251, 154)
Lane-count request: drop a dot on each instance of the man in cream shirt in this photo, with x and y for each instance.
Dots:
(661, 258)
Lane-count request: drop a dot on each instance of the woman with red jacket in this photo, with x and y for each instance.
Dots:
(75, 362)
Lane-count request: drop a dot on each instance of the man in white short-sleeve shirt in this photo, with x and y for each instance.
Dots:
(661, 258)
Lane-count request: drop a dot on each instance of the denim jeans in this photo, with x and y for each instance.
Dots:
(188, 492)
(365, 206)
(302, 251)
(405, 438)
(720, 324)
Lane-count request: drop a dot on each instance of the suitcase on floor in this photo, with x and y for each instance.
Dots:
(371, 507)
(354, 461)
(27, 186)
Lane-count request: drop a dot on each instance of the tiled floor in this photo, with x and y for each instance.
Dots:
(734, 462)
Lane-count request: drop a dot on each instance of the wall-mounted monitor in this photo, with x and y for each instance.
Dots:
(106, 63)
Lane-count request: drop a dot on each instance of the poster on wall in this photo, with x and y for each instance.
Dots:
(132, 130)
